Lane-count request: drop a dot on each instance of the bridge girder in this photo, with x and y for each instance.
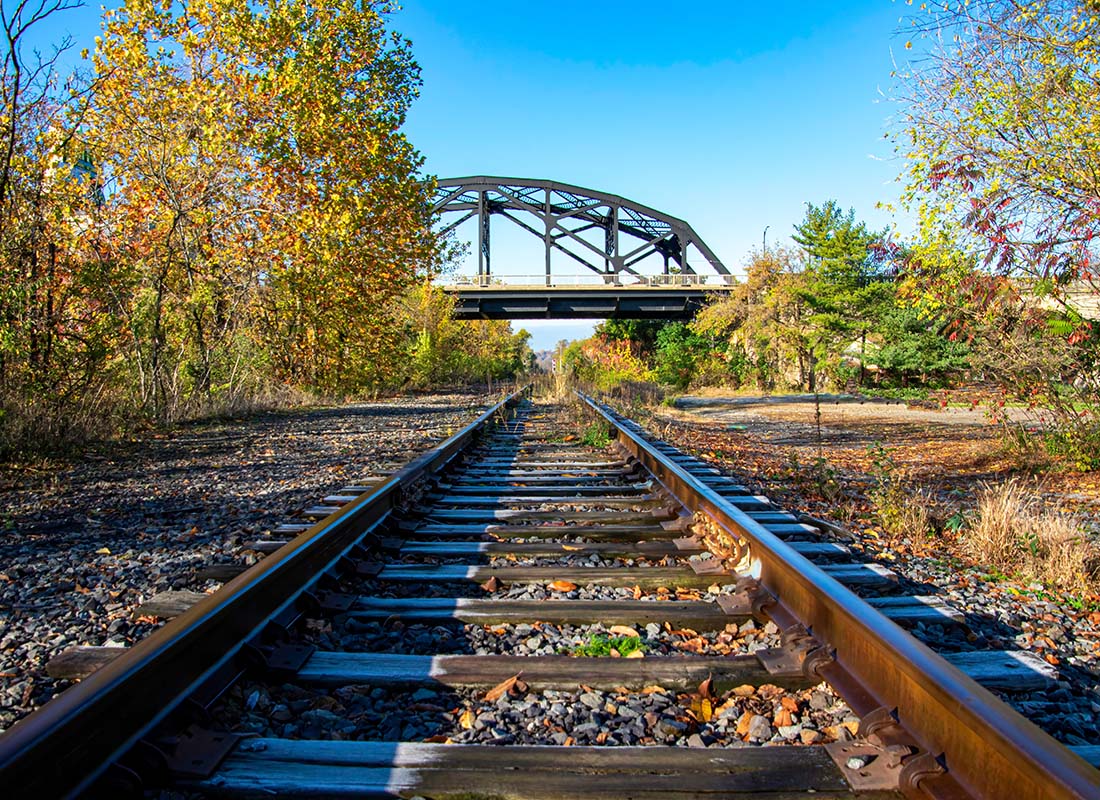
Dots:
(562, 212)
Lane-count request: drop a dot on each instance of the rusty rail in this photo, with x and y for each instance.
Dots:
(968, 743)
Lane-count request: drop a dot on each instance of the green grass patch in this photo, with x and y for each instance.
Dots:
(595, 435)
(601, 644)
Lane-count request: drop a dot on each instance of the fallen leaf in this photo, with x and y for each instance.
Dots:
(104, 551)
(653, 689)
(501, 688)
(745, 690)
(622, 630)
(685, 632)
(635, 654)
(706, 688)
(437, 739)
(783, 718)
(702, 709)
(571, 547)
(562, 586)
(789, 703)
(743, 724)
(637, 592)
(568, 741)
(467, 719)
(728, 704)
(491, 585)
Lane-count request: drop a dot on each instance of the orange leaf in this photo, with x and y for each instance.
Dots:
(562, 586)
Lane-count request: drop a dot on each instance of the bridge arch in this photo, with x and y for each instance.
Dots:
(560, 214)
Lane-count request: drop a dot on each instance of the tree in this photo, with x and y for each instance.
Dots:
(1000, 131)
(57, 330)
(846, 289)
(764, 319)
(678, 352)
(914, 349)
(262, 198)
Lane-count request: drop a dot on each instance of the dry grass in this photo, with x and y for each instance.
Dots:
(911, 518)
(1013, 533)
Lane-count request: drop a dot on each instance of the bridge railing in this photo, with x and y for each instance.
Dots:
(587, 281)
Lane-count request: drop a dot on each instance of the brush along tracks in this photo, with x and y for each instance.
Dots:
(518, 615)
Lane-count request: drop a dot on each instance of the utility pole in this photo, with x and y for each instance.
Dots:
(766, 239)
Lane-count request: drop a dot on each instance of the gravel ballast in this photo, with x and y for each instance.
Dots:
(85, 543)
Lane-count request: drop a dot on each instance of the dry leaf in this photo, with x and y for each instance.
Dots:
(637, 592)
(653, 689)
(728, 704)
(745, 690)
(789, 703)
(562, 586)
(743, 724)
(622, 630)
(571, 547)
(467, 719)
(437, 739)
(601, 737)
(568, 741)
(491, 585)
(706, 688)
(783, 718)
(702, 709)
(501, 688)
(636, 654)
(614, 653)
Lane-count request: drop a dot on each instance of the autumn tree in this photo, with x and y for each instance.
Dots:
(261, 196)
(56, 328)
(1000, 131)
(439, 349)
(1000, 119)
(764, 319)
(351, 214)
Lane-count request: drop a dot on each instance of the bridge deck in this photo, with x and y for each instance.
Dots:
(636, 301)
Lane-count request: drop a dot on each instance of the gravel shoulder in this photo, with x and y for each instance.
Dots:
(84, 543)
(770, 446)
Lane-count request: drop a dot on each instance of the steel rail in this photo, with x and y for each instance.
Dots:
(60, 750)
(982, 747)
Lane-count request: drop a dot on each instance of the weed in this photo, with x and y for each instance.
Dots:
(903, 510)
(596, 435)
(600, 644)
(955, 522)
(818, 477)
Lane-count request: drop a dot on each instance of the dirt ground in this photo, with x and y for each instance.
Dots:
(951, 451)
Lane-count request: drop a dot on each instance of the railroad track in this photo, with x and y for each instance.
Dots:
(419, 640)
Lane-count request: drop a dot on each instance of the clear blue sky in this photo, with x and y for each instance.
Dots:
(730, 115)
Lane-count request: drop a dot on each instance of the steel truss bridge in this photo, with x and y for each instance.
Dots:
(629, 260)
